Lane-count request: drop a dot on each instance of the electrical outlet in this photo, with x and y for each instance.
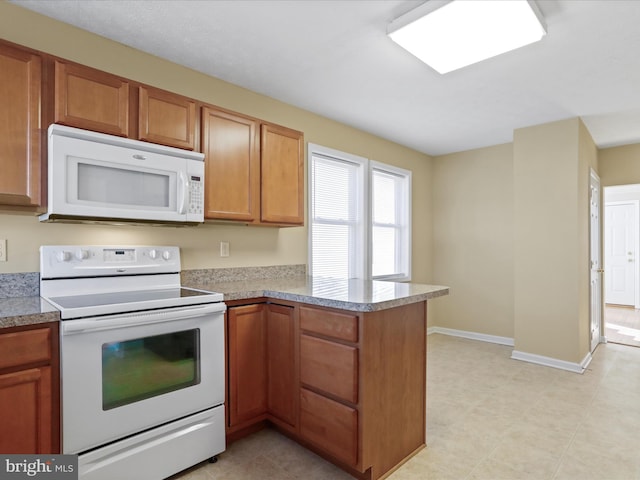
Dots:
(224, 249)
(3, 249)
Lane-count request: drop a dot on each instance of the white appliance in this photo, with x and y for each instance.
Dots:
(142, 361)
(98, 177)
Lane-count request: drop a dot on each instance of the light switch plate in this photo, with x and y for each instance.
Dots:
(224, 249)
(3, 249)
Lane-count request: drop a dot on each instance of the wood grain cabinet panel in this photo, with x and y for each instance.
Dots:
(330, 367)
(29, 393)
(25, 411)
(20, 134)
(166, 118)
(247, 363)
(282, 175)
(343, 326)
(232, 166)
(91, 99)
(281, 389)
(25, 347)
(330, 425)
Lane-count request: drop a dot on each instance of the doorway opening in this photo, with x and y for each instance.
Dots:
(621, 247)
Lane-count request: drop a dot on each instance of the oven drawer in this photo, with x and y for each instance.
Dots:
(152, 455)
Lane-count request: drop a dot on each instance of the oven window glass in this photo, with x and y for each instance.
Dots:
(141, 368)
(119, 186)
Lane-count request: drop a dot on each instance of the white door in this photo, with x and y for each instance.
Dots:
(596, 262)
(620, 253)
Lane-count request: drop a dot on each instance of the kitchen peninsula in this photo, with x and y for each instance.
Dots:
(338, 365)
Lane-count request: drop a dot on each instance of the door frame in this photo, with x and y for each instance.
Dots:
(596, 305)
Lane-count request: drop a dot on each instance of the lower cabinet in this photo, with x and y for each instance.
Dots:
(281, 387)
(261, 369)
(349, 385)
(247, 363)
(29, 420)
(330, 425)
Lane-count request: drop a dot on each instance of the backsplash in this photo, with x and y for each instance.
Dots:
(238, 274)
(19, 285)
(28, 284)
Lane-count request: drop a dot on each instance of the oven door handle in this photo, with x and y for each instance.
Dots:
(134, 319)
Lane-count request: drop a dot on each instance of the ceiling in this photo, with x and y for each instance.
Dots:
(334, 58)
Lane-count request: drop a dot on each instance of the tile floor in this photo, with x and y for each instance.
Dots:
(489, 418)
(622, 325)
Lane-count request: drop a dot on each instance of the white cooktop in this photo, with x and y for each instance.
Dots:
(83, 281)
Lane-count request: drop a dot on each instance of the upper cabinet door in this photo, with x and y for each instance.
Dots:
(91, 99)
(20, 134)
(166, 118)
(232, 166)
(282, 166)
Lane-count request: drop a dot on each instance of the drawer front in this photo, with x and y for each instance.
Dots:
(21, 348)
(329, 425)
(331, 324)
(330, 367)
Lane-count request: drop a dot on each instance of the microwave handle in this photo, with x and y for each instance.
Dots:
(183, 193)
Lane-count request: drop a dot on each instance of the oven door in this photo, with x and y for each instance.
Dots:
(122, 374)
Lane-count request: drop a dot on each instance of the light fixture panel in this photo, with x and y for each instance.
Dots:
(448, 35)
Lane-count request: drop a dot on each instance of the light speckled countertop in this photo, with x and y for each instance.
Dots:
(19, 311)
(354, 295)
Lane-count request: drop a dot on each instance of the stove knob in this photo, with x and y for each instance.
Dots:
(166, 254)
(63, 256)
(153, 254)
(82, 254)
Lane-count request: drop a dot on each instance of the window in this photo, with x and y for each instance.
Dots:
(360, 213)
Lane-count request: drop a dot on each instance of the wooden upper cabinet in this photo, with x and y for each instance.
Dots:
(232, 166)
(282, 175)
(91, 99)
(166, 118)
(20, 134)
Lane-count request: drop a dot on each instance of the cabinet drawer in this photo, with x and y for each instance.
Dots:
(330, 425)
(29, 346)
(330, 367)
(331, 324)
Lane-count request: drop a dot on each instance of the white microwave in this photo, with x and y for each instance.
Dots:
(98, 177)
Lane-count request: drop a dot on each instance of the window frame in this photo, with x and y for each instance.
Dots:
(361, 265)
(404, 204)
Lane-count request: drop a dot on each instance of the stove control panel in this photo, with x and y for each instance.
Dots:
(65, 261)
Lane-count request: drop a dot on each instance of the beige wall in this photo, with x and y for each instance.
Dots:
(551, 175)
(511, 239)
(619, 165)
(473, 239)
(249, 245)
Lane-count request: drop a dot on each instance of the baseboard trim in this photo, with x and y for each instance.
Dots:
(553, 362)
(472, 335)
(517, 355)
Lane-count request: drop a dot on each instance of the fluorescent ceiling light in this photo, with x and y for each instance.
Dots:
(451, 34)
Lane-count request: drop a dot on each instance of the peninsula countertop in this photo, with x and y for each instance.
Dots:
(354, 294)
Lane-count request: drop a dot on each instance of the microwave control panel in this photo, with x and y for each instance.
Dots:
(196, 194)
